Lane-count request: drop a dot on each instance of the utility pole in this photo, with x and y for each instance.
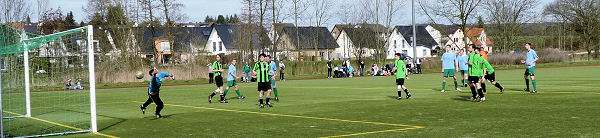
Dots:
(414, 41)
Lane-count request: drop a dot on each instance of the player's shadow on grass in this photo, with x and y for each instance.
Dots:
(462, 98)
(393, 97)
(163, 117)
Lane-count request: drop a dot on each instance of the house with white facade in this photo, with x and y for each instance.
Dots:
(476, 36)
(355, 43)
(400, 41)
(222, 40)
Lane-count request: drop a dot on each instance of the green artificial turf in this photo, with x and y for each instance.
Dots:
(567, 105)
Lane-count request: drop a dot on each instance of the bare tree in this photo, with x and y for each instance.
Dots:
(14, 10)
(322, 15)
(506, 17)
(457, 12)
(583, 16)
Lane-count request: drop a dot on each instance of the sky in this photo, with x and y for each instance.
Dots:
(197, 10)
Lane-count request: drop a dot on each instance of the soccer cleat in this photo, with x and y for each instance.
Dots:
(458, 89)
(143, 109)
(502, 90)
(527, 90)
(158, 116)
(443, 91)
(262, 106)
(399, 98)
(241, 97)
(209, 99)
(224, 101)
(472, 98)
(277, 99)
(408, 96)
(482, 99)
(269, 104)
(534, 91)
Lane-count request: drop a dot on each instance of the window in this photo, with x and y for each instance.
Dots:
(165, 46)
(455, 40)
(403, 43)
(214, 46)
(394, 44)
(424, 52)
(220, 46)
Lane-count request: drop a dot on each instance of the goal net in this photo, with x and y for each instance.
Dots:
(47, 82)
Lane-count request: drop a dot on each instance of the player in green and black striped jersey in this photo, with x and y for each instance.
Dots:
(218, 70)
(262, 70)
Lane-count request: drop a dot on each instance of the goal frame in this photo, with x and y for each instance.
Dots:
(92, 86)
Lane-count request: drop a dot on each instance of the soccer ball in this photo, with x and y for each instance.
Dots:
(139, 75)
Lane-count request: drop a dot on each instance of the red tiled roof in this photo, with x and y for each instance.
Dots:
(474, 33)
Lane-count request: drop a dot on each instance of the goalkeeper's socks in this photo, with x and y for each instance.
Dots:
(406, 91)
(225, 92)
(238, 92)
(275, 92)
(399, 93)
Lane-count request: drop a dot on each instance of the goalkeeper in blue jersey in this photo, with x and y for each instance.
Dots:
(155, 83)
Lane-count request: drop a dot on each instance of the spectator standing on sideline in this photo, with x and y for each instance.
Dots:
(348, 67)
(247, 72)
(281, 69)
(329, 67)
(418, 62)
(362, 68)
(211, 74)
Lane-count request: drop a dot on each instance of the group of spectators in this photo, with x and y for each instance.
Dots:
(386, 69)
(346, 70)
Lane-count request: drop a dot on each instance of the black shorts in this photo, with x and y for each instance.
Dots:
(219, 80)
(491, 77)
(400, 81)
(474, 79)
(264, 86)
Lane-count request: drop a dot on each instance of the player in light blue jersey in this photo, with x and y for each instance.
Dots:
(449, 68)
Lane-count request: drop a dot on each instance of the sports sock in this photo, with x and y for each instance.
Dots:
(527, 83)
(399, 93)
(275, 92)
(213, 94)
(268, 99)
(483, 87)
(498, 86)
(534, 86)
(225, 92)
(473, 91)
(238, 92)
(463, 82)
(222, 97)
(466, 81)
(406, 91)
(260, 100)
(480, 92)
(443, 85)
(455, 84)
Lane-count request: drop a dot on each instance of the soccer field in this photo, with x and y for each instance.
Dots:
(567, 105)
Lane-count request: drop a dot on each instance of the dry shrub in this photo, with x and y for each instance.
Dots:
(547, 55)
